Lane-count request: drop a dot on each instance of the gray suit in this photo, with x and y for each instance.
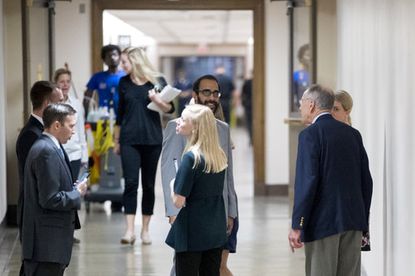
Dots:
(50, 205)
(173, 147)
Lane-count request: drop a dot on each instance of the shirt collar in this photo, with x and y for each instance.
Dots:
(37, 118)
(319, 115)
(53, 139)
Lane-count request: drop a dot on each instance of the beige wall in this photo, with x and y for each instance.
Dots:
(3, 190)
(326, 42)
(276, 93)
(73, 41)
(14, 92)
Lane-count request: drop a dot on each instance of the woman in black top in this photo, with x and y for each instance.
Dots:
(199, 232)
(138, 136)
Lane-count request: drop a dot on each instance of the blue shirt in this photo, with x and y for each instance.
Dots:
(106, 84)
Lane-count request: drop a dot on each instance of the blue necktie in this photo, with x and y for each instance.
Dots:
(61, 153)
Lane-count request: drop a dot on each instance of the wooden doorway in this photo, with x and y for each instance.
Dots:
(256, 6)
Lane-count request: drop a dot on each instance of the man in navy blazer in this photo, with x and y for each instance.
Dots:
(333, 189)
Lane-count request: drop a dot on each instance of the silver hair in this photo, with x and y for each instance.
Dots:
(322, 96)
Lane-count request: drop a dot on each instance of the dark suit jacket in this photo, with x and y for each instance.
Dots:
(333, 185)
(50, 205)
(27, 137)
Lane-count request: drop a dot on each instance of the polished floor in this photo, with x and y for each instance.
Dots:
(262, 239)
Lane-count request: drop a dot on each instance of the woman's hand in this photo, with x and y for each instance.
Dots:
(154, 96)
(179, 201)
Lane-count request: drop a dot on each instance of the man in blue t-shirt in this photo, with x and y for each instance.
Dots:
(105, 83)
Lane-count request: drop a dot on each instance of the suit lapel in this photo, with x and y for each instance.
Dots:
(65, 163)
(68, 163)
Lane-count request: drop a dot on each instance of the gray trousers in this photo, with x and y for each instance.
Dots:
(337, 255)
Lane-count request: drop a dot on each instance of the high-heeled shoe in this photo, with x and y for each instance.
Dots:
(128, 239)
(145, 238)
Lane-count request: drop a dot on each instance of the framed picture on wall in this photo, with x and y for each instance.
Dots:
(124, 41)
(302, 37)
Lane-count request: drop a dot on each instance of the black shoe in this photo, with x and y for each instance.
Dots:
(76, 241)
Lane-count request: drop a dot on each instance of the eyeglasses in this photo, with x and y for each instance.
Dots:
(208, 93)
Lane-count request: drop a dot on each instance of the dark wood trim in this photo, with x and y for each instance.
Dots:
(257, 6)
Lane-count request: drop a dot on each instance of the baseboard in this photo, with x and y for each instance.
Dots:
(11, 215)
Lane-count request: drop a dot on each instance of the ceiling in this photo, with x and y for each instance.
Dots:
(191, 27)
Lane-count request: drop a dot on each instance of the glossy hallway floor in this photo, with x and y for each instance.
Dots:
(262, 239)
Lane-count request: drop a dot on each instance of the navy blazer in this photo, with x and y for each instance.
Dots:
(333, 185)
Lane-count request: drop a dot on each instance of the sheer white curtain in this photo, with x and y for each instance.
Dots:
(376, 64)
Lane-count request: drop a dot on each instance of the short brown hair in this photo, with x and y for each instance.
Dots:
(57, 112)
(40, 92)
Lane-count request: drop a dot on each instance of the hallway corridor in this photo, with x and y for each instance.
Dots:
(262, 240)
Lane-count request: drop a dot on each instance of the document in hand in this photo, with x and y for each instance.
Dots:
(167, 94)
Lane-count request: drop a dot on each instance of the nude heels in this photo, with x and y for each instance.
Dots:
(128, 239)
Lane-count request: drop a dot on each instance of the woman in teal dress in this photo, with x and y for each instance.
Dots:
(199, 232)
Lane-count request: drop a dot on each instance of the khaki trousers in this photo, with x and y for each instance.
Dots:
(337, 255)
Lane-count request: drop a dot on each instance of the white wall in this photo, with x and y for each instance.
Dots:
(376, 63)
(276, 93)
(73, 41)
(3, 194)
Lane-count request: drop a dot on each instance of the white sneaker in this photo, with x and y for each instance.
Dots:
(145, 238)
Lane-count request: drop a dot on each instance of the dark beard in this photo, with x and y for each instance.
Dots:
(216, 104)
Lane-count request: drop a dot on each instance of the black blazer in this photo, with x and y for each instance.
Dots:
(51, 202)
(27, 137)
(333, 185)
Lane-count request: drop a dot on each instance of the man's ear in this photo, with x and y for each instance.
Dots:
(312, 106)
(56, 125)
(194, 95)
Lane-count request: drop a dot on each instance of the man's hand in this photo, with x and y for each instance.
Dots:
(294, 238)
(229, 226)
(172, 219)
(82, 187)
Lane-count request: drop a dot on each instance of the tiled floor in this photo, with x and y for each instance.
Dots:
(262, 239)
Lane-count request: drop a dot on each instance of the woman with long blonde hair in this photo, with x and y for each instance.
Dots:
(199, 232)
(138, 136)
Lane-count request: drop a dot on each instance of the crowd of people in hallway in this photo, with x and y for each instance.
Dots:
(333, 186)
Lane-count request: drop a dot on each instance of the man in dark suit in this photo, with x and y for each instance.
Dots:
(42, 93)
(50, 197)
(333, 189)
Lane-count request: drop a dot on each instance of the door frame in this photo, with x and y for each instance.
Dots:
(256, 6)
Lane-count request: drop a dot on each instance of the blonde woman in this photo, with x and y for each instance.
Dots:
(138, 137)
(343, 104)
(199, 232)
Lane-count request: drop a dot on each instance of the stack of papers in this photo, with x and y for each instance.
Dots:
(167, 95)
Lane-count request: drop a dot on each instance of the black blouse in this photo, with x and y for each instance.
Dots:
(139, 125)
